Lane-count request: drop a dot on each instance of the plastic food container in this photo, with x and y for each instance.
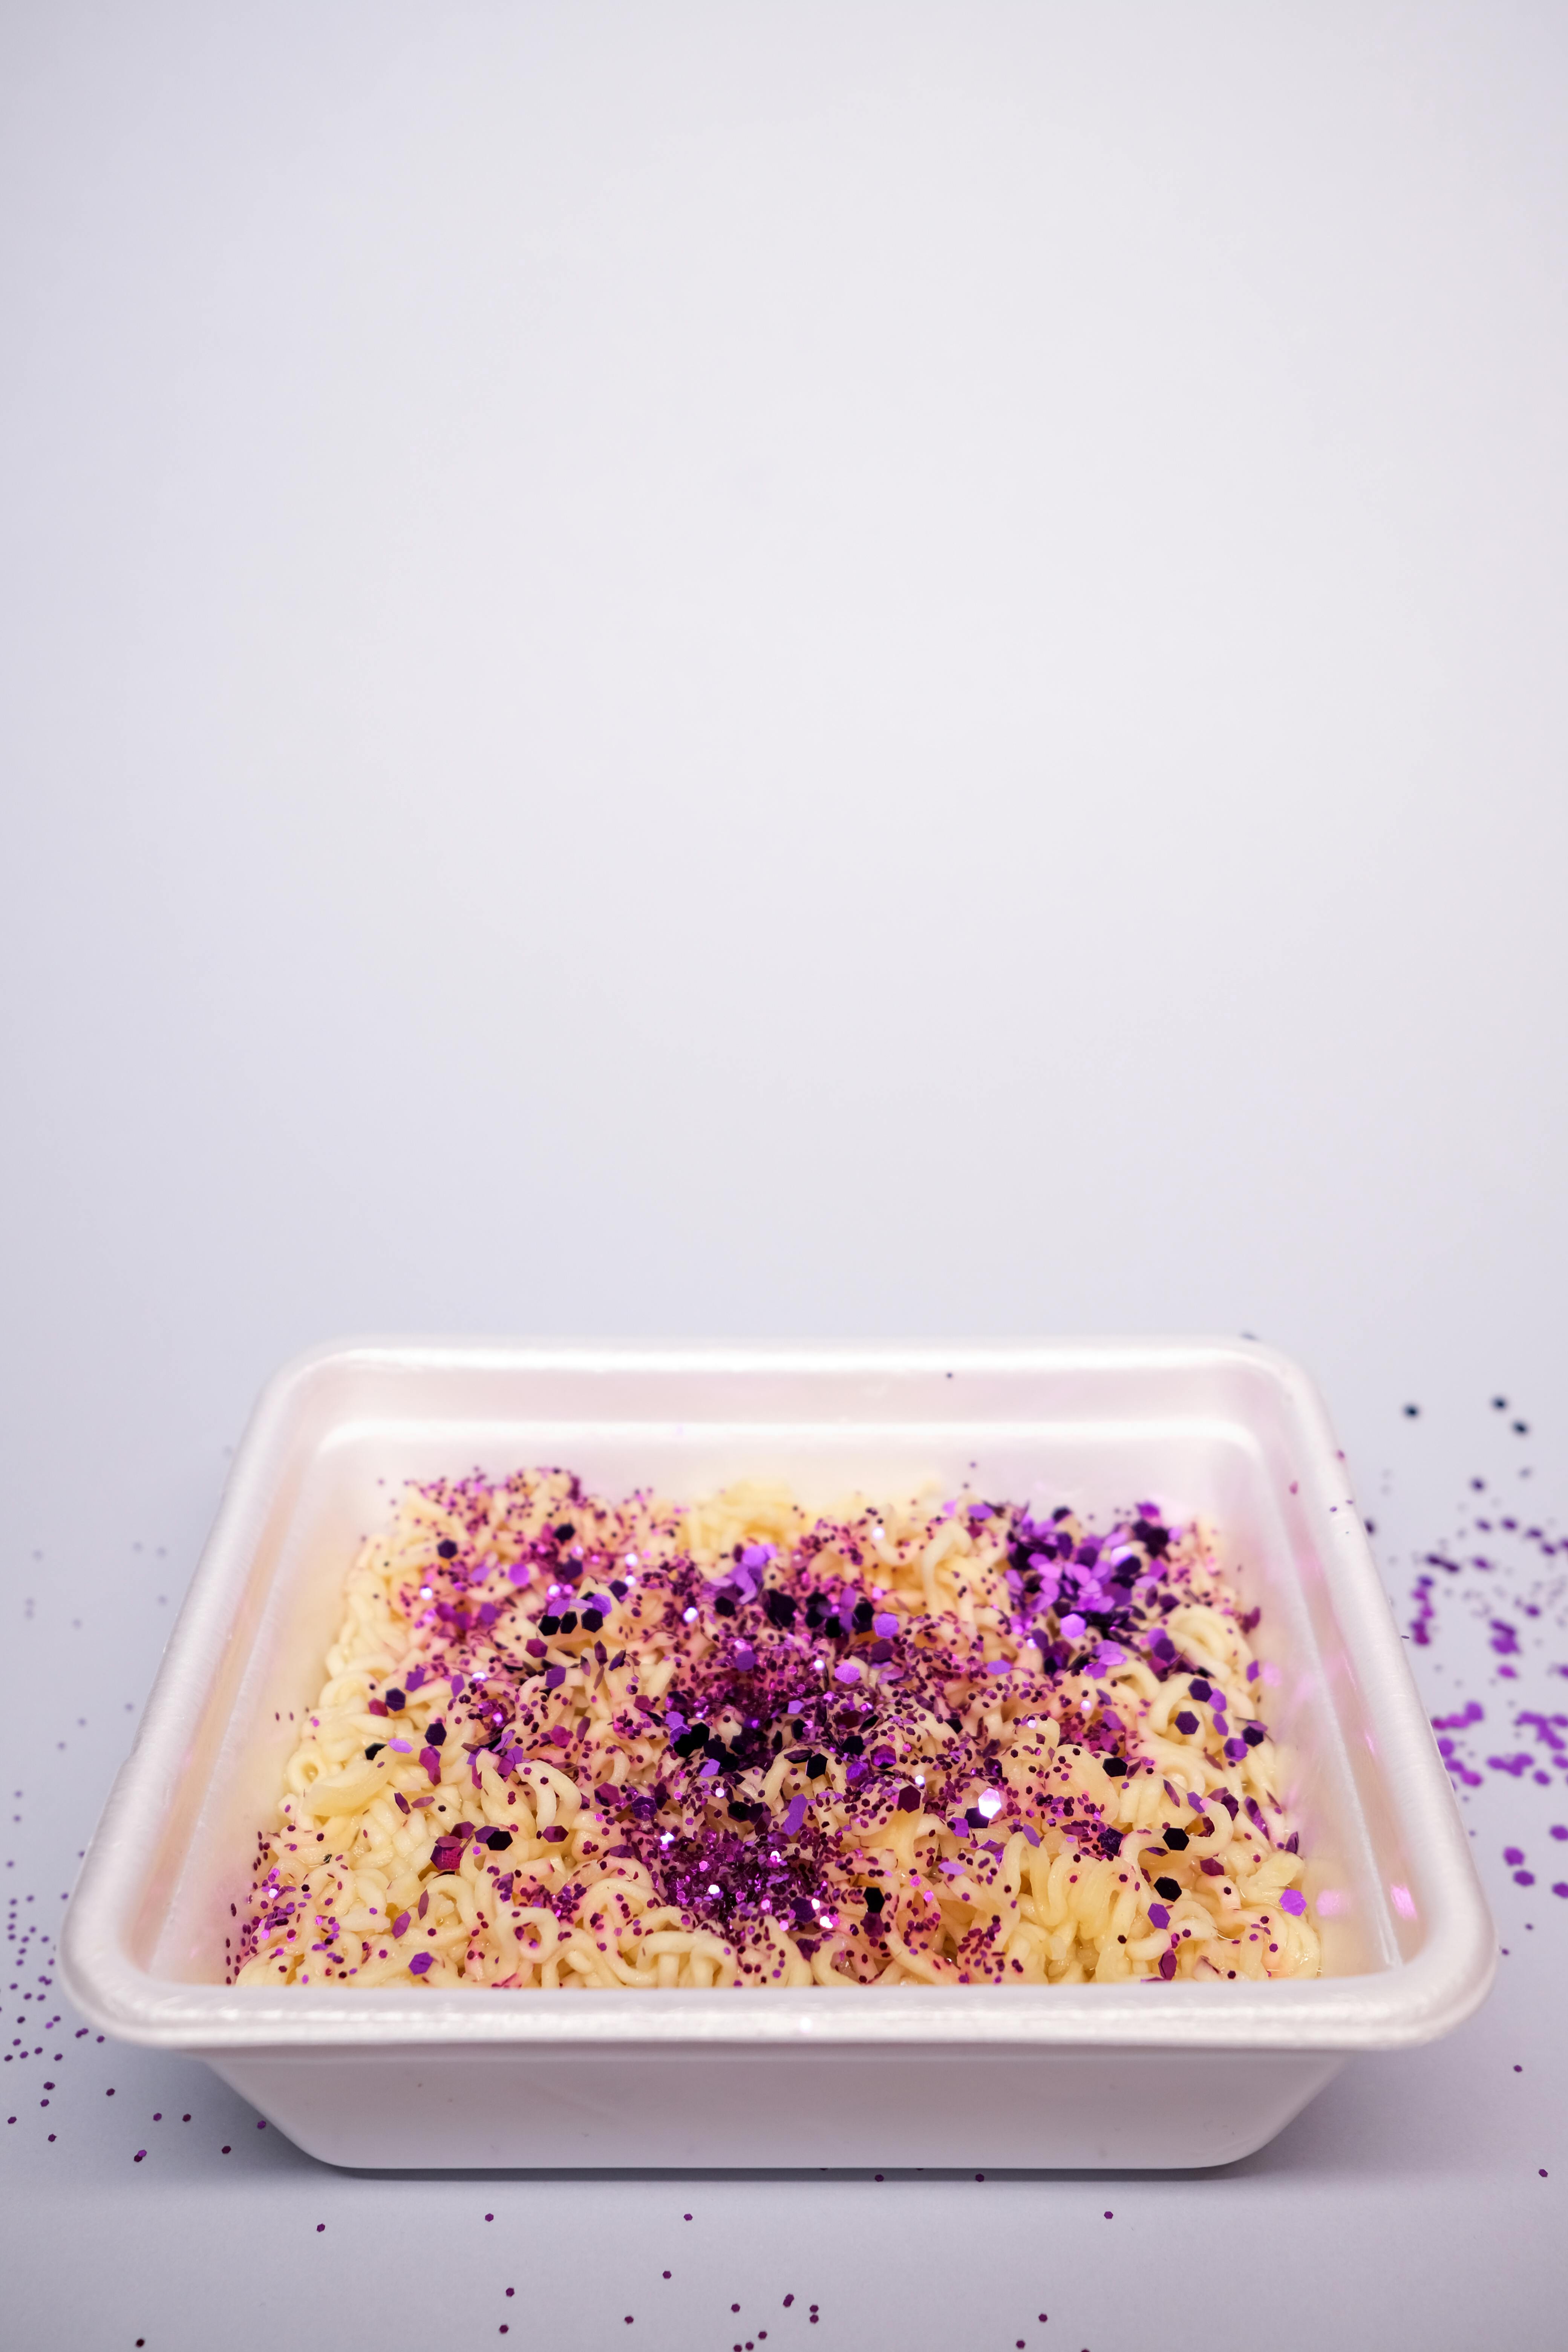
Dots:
(1086, 2075)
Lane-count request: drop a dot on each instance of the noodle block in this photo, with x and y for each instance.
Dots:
(569, 1744)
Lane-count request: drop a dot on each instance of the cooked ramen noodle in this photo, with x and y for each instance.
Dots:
(569, 1743)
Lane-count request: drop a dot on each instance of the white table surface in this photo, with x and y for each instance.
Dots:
(833, 669)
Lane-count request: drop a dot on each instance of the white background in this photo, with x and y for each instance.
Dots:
(775, 668)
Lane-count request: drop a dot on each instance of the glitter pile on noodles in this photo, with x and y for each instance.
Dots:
(571, 1743)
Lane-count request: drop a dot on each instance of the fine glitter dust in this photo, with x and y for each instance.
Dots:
(569, 1743)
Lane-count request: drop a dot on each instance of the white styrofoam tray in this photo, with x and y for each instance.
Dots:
(1083, 2076)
